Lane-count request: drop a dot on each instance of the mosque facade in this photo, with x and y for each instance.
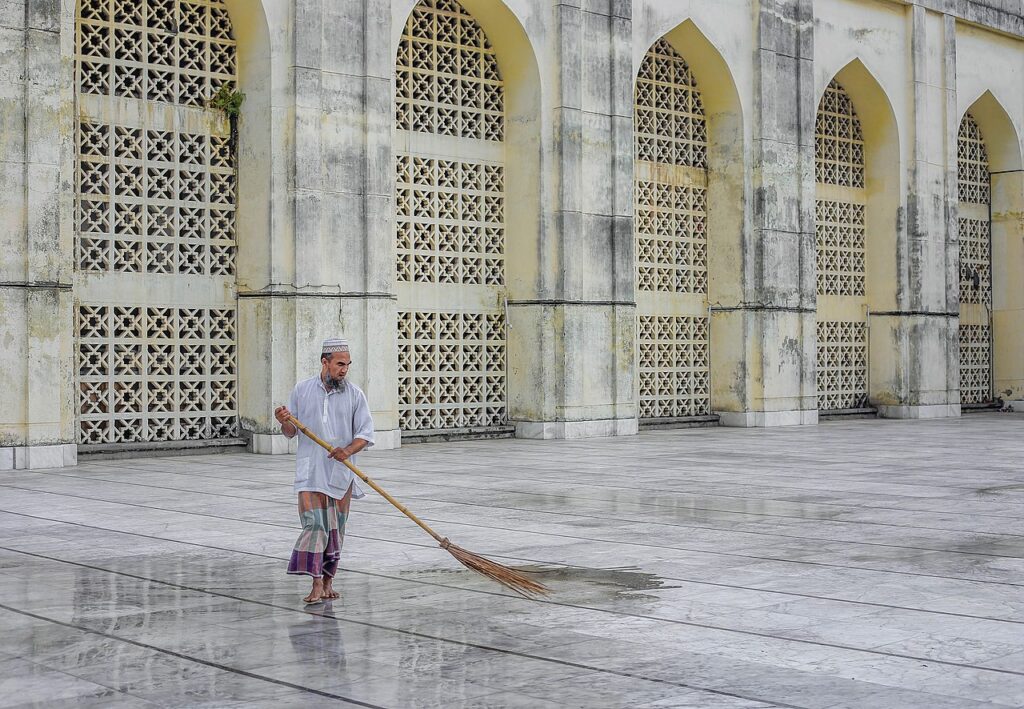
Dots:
(540, 218)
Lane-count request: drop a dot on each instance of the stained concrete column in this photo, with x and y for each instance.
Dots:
(771, 333)
(37, 420)
(335, 246)
(920, 335)
(579, 366)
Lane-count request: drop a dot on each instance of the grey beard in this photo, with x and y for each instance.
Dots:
(332, 383)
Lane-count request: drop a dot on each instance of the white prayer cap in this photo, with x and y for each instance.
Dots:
(334, 344)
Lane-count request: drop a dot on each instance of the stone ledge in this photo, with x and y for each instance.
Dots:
(455, 434)
(551, 430)
(768, 419)
(680, 422)
(60, 455)
(920, 411)
(113, 451)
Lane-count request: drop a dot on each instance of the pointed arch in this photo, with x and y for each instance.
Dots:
(856, 214)
(991, 250)
(466, 146)
(688, 220)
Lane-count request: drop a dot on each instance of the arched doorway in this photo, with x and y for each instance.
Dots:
(671, 236)
(450, 223)
(975, 239)
(156, 198)
(840, 226)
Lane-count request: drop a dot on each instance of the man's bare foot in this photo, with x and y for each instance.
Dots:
(317, 593)
(329, 592)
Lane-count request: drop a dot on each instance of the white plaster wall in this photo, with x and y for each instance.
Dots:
(988, 61)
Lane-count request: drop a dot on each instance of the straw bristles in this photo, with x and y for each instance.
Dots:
(509, 578)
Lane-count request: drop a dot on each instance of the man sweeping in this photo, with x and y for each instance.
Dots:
(335, 410)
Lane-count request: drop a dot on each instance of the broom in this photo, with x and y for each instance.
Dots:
(509, 578)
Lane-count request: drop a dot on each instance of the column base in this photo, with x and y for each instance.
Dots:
(767, 419)
(548, 430)
(272, 443)
(926, 411)
(61, 455)
(386, 440)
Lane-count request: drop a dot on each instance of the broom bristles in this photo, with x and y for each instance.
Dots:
(509, 578)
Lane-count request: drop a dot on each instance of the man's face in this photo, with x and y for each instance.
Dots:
(336, 366)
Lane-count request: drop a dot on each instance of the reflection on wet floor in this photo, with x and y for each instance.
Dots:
(860, 579)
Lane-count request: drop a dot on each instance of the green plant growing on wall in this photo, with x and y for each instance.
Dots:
(230, 102)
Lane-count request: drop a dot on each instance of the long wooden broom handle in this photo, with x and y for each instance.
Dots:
(366, 479)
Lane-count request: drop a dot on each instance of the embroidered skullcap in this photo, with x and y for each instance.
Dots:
(334, 344)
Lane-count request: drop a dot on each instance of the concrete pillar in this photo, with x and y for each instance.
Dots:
(922, 330)
(37, 421)
(574, 355)
(772, 330)
(334, 252)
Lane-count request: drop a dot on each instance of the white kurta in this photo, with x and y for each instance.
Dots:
(338, 417)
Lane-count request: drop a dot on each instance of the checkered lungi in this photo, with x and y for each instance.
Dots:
(318, 548)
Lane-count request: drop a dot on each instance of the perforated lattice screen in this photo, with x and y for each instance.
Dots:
(155, 374)
(452, 370)
(447, 76)
(839, 142)
(671, 233)
(972, 163)
(975, 237)
(155, 195)
(450, 217)
(172, 51)
(673, 366)
(450, 222)
(842, 365)
(975, 262)
(669, 124)
(671, 226)
(156, 201)
(975, 364)
(839, 228)
(841, 240)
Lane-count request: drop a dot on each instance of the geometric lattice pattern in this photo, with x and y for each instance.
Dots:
(842, 371)
(972, 163)
(839, 142)
(839, 227)
(674, 366)
(447, 79)
(669, 122)
(670, 220)
(671, 237)
(155, 201)
(451, 370)
(974, 232)
(172, 51)
(450, 221)
(155, 194)
(975, 364)
(155, 373)
(975, 262)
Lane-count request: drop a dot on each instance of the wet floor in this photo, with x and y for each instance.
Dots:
(854, 564)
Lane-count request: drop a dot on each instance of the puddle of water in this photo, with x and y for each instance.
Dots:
(1002, 490)
(571, 583)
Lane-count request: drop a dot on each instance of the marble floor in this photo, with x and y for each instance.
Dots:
(864, 563)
